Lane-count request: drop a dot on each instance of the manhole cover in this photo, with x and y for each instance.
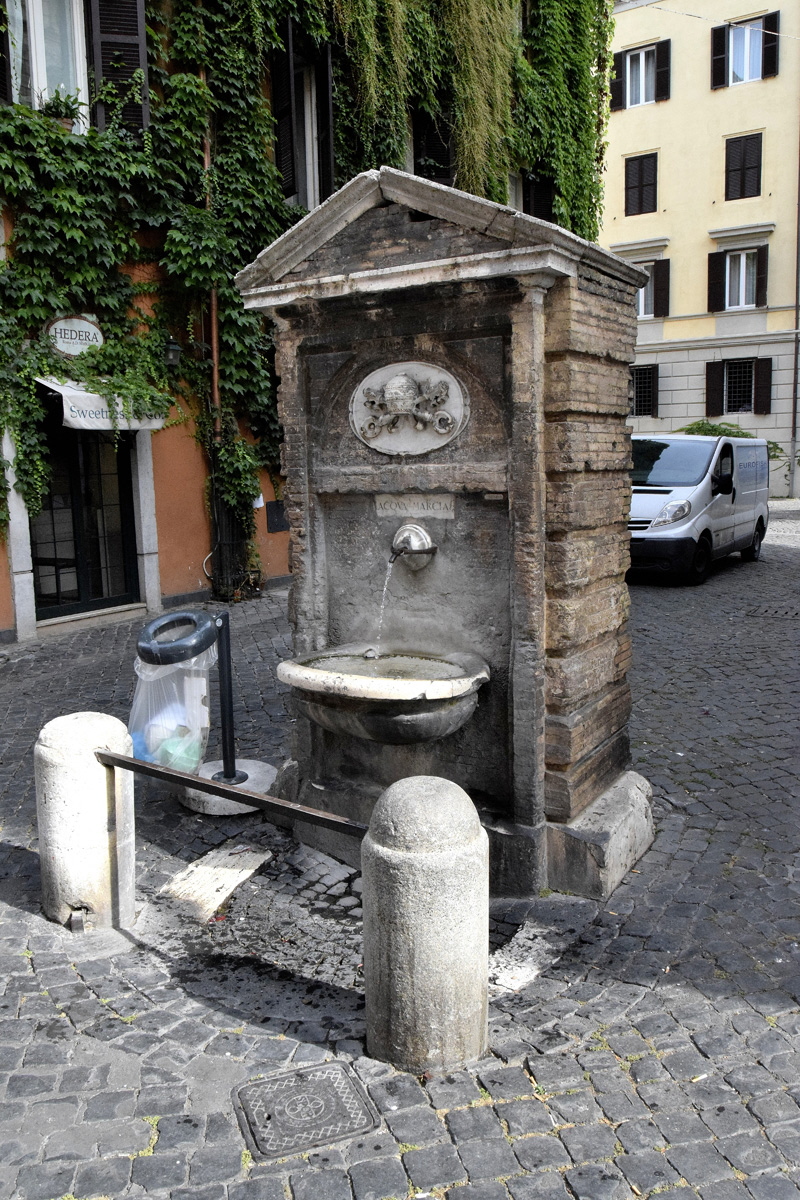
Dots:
(780, 610)
(297, 1110)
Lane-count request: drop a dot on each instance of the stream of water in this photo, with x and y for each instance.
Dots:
(388, 576)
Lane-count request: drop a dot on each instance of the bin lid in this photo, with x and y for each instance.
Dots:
(199, 632)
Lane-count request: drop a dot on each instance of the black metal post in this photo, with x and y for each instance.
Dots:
(228, 774)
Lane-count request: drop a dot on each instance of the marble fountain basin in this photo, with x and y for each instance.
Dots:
(396, 697)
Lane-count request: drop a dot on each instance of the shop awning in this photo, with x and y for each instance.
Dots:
(87, 410)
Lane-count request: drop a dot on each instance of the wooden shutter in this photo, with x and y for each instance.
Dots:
(6, 95)
(743, 167)
(284, 110)
(762, 389)
(769, 45)
(719, 56)
(117, 43)
(323, 76)
(734, 161)
(618, 98)
(663, 60)
(715, 389)
(660, 274)
(641, 178)
(762, 263)
(539, 194)
(653, 369)
(716, 281)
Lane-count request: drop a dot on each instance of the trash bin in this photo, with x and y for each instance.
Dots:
(170, 719)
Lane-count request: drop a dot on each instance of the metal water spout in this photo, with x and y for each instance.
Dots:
(413, 543)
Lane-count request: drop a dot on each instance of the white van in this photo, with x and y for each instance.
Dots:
(696, 499)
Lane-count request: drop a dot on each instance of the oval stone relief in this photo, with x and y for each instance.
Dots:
(408, 408)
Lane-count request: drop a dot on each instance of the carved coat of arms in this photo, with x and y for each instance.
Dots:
(408, 408)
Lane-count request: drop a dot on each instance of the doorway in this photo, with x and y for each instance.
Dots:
(83, 542)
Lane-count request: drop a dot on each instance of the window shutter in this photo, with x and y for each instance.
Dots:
(117, 49)
(719, 56)
(734, 159)
(324, 88)
(762, 391)
(751, 183)
(618, 98)
(663, 60)
(641, 178)
(715, 389)
(654, 389)
(539, 194)
(769, 45)
(5, 59)
(762, 262)
(716, 281)
(660, 274)
(284, 110)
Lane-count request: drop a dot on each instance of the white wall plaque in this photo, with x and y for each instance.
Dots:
(72, 335)
(408, 408)
(435, 504)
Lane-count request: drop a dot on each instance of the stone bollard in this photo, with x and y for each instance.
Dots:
(86, 823)
(425, 863)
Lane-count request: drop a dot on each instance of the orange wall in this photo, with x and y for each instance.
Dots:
(184, 528)
(272, 547)
(6, 605)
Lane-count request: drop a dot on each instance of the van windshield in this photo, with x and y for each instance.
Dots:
(665, 463)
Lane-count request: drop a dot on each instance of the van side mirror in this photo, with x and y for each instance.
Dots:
(722, 485)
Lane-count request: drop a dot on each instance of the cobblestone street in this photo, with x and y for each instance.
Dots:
(654, 1049)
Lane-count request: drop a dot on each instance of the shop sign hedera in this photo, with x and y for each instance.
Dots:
(72, 335)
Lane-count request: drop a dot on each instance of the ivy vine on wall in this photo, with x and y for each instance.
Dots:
(198, 195)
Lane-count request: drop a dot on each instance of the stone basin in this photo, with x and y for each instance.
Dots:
(397, 697)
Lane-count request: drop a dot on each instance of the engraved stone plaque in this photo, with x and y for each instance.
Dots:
(295, 1110)
(413, 504)
(408, 408)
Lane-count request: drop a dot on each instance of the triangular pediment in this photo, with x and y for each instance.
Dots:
(388, 223)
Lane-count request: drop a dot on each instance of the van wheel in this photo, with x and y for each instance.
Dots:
(753, 551)
(700, 565)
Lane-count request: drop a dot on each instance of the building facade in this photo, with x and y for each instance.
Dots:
(702, 190)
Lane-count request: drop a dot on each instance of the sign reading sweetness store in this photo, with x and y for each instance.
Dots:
(72, 335)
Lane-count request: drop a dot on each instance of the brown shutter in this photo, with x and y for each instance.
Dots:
(618, 98)
(284, 110)
(751, 166)
(716, 281)
(734, 159)
(663, 58)
(660, 274)
(769, 45)
(762, 262)
(324, 88)
(433, 158)
(118, 48)
(719, 56)
(6, 96)
(762, 392)
(715, 389)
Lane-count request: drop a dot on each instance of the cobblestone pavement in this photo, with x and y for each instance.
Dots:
(654, 1048)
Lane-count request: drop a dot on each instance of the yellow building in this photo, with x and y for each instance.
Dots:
(702, 187)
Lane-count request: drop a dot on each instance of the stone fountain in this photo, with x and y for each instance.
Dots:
(453, 393)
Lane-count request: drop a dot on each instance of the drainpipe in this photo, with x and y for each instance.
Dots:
(214, 310)
(796, 368)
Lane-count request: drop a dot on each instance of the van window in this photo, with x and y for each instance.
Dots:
(725, 461)
(663, 463)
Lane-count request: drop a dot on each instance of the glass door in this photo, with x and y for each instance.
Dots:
(83, 542)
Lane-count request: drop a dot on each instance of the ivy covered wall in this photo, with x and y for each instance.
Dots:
(198, 195)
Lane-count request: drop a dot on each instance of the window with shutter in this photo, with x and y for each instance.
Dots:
(118, 41)
(641, 184)
(302, 105)
(739, 385)
(743, 167)
(433, 151)
(745, 51)
(539, 194)
(641, 76)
